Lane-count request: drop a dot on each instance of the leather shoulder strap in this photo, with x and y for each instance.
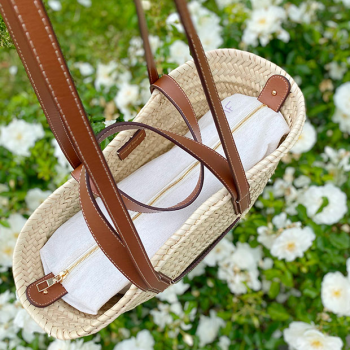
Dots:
(151, 65)
(23, 40)
(17, 25)
(241, 203)
(43, 43)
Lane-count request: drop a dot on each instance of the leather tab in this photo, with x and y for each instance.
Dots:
(129, 146)
(275, 92)
(43, 299)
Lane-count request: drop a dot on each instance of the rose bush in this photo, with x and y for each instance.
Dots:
(281, 279)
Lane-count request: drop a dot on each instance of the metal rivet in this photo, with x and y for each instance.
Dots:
(274, 93)
(46, 292)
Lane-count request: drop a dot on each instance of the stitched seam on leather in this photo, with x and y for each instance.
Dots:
(48, 302)
(47, 28)
(34, 85)
(172, 139)
(190, 104)
(193, 193)
(207, 165)
(225, 120)
(134, 142)
(285, 92)
(108, 228)
(110, 259)
(38, 59)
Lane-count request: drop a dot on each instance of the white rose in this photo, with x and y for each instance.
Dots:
(85, 68)
(221, 251)
(295, 331)
(29, 327)
(341, 98)
(171, 293)
(86, 3)
(19, 136)
(143, 341)
(306, 140)
(335, 293)
(336, 70)
(8, 238)
(263, 23)
(208, 328)
(55, 5)
(127, 94)
(240, 270)
(336, 208)
(179, 52)
(343, 119)
(315, 340)
(292, 243)
(106, 75)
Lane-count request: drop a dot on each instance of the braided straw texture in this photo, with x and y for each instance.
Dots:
(234, 72)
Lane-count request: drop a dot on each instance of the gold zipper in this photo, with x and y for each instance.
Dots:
(63, 275)
(59, 278)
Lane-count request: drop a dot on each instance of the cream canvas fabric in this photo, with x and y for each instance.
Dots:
(93, 282)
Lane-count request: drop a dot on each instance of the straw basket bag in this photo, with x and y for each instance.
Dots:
(190, 88)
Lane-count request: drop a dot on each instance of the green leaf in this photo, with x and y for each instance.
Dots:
(340, 240)
(278, 312)
(274, 290)
(325, 202)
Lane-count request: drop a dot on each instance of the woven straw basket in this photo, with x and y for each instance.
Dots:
(235, 72)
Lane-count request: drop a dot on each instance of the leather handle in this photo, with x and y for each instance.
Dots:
(173, 92)
(16, 25)
(39, 35)
(242, 202)
(151, 65)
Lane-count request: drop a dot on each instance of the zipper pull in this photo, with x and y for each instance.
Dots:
(43, 286)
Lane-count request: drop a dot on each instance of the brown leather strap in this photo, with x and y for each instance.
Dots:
(40, 36)
(108, 240)
(242, 201)
(213, 160)
(170, 88)
(17, 28)
(151, 65)
(105, 235)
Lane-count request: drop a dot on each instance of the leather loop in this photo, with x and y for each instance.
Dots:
(169, 87)
(111, 241)
(242, 201)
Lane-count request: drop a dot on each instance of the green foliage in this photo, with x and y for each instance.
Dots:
(5, 41)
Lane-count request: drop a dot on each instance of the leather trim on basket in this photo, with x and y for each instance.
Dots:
(129, 146)
(40, 299)
(275, 92)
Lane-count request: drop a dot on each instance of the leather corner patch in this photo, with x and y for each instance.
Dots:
(129, 146)
(275, 92)
(43, 299)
